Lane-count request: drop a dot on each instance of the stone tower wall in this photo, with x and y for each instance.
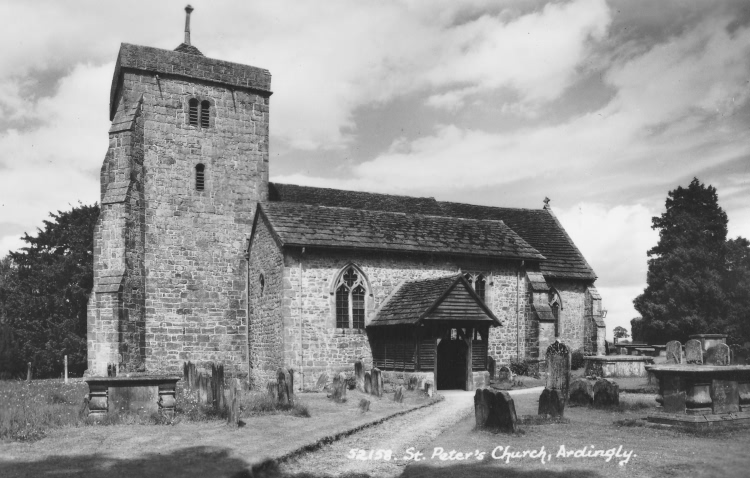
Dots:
(182, 288)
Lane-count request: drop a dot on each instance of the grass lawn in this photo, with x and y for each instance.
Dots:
(191, 448)
(655, 451)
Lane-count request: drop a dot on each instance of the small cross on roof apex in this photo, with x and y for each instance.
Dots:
(546, 202)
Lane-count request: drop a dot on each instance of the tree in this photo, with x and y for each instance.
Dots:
(688, 283)
(620, 333)
(45, 297)
(737, 289)
(636, 328)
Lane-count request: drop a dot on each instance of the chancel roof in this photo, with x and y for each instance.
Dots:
(448, 298)
(539, 228)
(296, 224)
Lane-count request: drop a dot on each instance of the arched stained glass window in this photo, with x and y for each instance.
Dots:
(351, 294)
(479, 283)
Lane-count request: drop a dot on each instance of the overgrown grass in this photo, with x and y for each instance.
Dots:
(260, 403)
(28, 410)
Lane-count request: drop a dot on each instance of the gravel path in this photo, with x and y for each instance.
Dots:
(412, 430)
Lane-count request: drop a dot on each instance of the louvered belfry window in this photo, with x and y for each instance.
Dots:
(193, 112)
(200, 179)
(205, 113)
(350, 300)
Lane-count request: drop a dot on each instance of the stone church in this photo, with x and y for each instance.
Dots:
(199, 257)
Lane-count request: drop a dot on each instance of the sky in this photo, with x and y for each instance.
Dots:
(602, 106)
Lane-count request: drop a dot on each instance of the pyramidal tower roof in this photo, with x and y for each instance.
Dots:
(186, 47)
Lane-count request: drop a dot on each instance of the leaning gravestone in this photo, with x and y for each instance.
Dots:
(368, 382)
(693, 352)
(718, 355)
(359, 375)
(413, 383)
(553, 397)
(399, 395)
(338, 394)
(322, 381)
(674, 352)
(494, 409)
(606, 392)
(581, 392)
(281, 375)
(558, 367)
(377, 382)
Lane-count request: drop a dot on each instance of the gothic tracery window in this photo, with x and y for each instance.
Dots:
(350, 300)
(479, 283)
(556, 304)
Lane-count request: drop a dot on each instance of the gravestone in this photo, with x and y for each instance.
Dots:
(495, 409)
(359, 375)
(693, 352)
(581, 392)
(286, 390)
(273, 391)
(491, 367)
(338, 392)
(558, 367)
(322, 381)
(551, 402)
(377, 382)
(725, 396)
(429, 388)
(718, 355)
(364, 405)
(504, 374)
(233, 402)
(217, 386)
(606, 392)
(413, 383)
(368, 382)
(674, 352)
(399, 395)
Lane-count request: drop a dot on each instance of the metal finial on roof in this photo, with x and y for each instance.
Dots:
(546, 202)
(188, 11)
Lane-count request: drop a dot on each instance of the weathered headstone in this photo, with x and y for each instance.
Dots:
(494, 409)
(581, 392)
(338, 389)
(359, 375)
(368, 382)
(203, 389)
(399, 395)
(413, 383)
(273, 391)
(558, 368)
(674, 352)
(322, 381)
(725, 396)
(285, 379)
(606, 392)
(377, 382)
(491, 366)
(718, 355)
(551, 402)
(217, 386)
(233, 402)
(504, 374)
(429, 389)
(364, 405)
(693, 352)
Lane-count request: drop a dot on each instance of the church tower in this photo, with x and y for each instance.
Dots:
(186, 165)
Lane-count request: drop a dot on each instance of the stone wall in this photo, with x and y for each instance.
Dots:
(180, 249)
(572, 324)
(318, 346)
(265, 334)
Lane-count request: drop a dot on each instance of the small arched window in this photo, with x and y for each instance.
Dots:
(479, 283)
(193, 111)
(205, 113)
(262, 281)
(200, 178)
(556, 305)
(350, 300)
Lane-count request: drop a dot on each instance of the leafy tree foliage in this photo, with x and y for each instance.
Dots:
(620, 333)
(45, 289)
(690, 280)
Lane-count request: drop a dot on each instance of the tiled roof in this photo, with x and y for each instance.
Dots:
(416, 300)
(539, 227)
(322, 226)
